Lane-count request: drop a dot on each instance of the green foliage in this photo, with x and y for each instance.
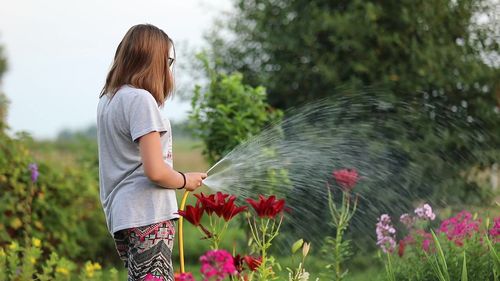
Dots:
(62, 208)
(227, 111)
(19, 263)
(438, 261)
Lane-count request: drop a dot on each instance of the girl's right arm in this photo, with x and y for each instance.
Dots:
(158, 171)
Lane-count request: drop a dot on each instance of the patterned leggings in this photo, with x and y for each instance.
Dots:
(147, 250)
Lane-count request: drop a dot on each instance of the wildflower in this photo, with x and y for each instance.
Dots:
(13, 246)
(495, 230)
(192, 214)
(425, 212)
(33, 167)
(253, 263)
(218, 264)
(91, 268)
(385, 234)
(37, 243)
(188, 276)
(62, 270)
(151, 277)
(460, 227)
(346, 178)
(407, 220)
(267, 208)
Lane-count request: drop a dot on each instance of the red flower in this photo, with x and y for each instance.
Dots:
(346, 178)
(229, 210)
(238, 263)
(401, 249)
(192, 214)
(221, 204)
(269, 207)
(253, 263)
(207, 202)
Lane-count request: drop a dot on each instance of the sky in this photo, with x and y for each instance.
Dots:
(59, 52)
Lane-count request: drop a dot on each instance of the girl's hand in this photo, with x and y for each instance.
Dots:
(194, 180)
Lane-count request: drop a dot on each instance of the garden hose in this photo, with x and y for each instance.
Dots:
(180, 230)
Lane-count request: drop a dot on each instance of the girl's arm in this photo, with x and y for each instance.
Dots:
(158, 171)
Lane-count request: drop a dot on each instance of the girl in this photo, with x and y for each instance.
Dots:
(136, 179)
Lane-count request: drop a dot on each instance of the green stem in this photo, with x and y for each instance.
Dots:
(338, 243)
(389, 270)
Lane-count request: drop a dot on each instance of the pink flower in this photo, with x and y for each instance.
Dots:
(151, 277)
(217, 265)
(460, 227)
(495, 230)
(407, 220)
(188, 276)
(426, 244)
(346, 178)
(425, 212)
(386, 234)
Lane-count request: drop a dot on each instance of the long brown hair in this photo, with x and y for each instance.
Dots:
(141, 60)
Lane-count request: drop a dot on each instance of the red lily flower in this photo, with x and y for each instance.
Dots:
(238, 263)
(207, 202)
(213, 203)
(230, 210)
(253, 263)
(192, 214)
(346, 178)
(269, 207)
(221, 204)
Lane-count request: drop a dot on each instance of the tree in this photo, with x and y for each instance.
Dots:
(306, 49)
(438, 58)
(435, 64)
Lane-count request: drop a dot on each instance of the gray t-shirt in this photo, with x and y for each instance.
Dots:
(128, 197)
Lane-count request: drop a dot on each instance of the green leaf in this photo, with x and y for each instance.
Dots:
(440, 260)
(464, 269)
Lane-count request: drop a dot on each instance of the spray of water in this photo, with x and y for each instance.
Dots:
(294, 159)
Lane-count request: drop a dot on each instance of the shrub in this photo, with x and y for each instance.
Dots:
(227, 112)
(61, 207)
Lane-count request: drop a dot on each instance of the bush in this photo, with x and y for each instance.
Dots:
(228, 112)
(61, 207)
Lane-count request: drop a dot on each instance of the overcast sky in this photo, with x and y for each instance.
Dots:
(59, 53)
